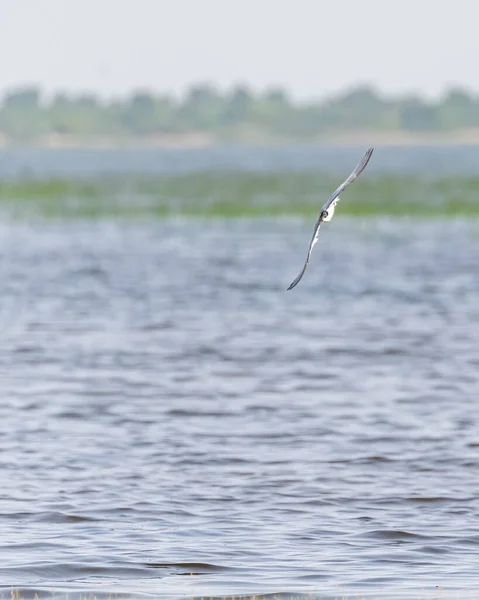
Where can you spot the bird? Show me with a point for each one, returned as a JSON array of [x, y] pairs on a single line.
[[327, 211]]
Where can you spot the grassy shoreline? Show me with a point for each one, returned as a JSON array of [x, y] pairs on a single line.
[[240, 195]]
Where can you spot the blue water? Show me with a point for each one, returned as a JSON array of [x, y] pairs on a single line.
[[424, 160], [175, 424]]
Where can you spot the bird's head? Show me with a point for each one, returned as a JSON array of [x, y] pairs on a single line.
[[324, 215]]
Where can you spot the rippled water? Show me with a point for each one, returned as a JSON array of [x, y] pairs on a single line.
[[175, 423]]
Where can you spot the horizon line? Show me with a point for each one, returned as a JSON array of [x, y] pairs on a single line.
[[255, 91]]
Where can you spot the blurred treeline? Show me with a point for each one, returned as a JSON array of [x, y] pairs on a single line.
[[238, 114]]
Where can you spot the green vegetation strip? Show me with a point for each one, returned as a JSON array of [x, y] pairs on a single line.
[[239, 194]]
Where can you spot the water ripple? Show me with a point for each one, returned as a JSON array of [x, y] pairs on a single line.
[[171, 429]]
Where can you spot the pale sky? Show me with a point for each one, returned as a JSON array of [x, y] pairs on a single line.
[[313, 48]]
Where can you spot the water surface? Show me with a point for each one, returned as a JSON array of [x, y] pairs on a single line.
[[44, 163], [174, 423]]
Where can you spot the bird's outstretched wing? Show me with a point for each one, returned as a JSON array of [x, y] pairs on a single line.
[[354, 175], [335, 196], [314, 239]]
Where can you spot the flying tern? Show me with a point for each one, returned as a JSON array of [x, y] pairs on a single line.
[[327, 211]]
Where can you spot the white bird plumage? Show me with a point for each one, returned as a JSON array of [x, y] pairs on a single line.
[[327, 211]]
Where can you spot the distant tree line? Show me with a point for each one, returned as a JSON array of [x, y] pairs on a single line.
[[25, 115]]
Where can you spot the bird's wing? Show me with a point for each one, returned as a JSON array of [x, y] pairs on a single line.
[[354, 175], [357, 171], [314, 239]]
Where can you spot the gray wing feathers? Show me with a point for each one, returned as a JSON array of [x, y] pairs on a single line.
[[311, 245], [354, 175]]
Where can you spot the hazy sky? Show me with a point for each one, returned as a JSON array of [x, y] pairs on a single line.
[[311, 47]]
